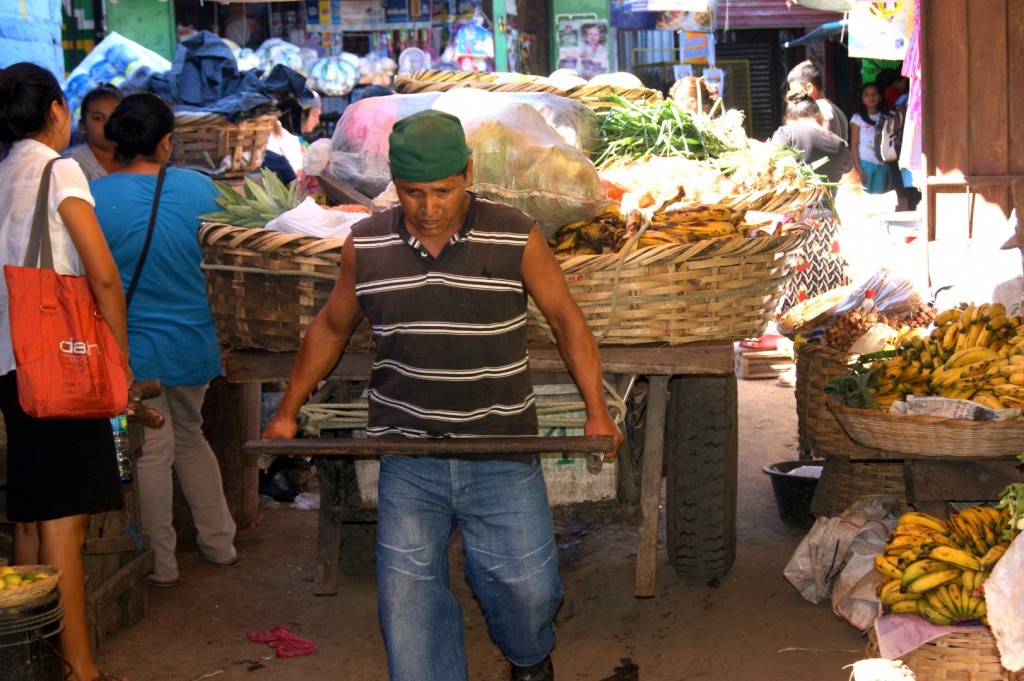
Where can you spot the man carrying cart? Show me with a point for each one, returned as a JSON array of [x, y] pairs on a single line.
[[443, 278]]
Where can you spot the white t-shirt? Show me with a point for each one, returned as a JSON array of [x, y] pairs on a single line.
[[87, 159], [866, 148], [288, 145], [20, 173]]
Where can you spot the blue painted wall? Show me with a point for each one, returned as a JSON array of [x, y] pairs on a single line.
[[30, 31]]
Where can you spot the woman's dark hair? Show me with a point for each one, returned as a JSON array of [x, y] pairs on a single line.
[[26, 93], [101, 91], [138, 124], [863, 110], [800, 105]]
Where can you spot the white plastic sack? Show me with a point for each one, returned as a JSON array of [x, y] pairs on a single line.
[[1004, 597], [309, 218], [831, 543]]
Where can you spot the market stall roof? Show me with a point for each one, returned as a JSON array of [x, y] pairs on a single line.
[[736, 14], [823, 32]]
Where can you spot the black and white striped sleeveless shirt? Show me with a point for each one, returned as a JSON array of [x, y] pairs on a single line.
[[451, 357]]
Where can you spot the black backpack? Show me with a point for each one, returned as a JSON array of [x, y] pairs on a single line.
[[889, 135]]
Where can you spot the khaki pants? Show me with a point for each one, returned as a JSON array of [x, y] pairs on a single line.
[[180, 445]]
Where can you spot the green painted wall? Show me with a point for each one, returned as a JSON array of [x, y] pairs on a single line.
[[600, 8], [147, 22]]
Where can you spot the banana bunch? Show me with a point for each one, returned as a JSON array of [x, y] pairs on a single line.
[[975, 353], [593, 236], [937, 568], [695, 222], [610, 232], [257, 204]]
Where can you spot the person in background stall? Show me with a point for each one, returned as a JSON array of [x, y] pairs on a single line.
[[873, 174], [691, 94], [96, 154], [171, 332], [806, 77], [443, 277], [820, 267], [285, 149], [59, 471]]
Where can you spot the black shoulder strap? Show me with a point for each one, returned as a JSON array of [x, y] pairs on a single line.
[[149, 238]]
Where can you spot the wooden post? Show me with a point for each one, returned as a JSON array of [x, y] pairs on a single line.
[[650, 486]]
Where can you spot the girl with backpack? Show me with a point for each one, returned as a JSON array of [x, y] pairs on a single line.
[[874, 176]]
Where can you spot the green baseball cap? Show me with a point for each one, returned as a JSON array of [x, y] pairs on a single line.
[[428, 146]]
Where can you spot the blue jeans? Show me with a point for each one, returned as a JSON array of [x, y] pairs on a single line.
[[511, 562]]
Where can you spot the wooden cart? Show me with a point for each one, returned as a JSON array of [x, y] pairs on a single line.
[[688, 431]]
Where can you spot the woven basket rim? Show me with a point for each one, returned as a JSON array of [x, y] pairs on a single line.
[[930, 436], [22, 595], [672, 254]]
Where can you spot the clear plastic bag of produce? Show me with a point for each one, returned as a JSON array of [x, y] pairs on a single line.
[[519, 159], [893, 293], [359, 146], [574, 122]]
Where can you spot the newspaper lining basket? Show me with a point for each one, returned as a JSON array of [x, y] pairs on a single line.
[[716, 289], [930, 436], [265, 286], [207, 142], [956, 656], [820, 433]]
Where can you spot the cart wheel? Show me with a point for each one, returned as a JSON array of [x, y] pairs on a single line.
[[701, 442]]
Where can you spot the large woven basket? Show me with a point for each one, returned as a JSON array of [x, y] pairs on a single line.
[[33, 591], [779, 199], [957, 656], [818, 431], [207, 142], [717, 289], [594, 96], [930, 436], [844, 481], [265, 287]]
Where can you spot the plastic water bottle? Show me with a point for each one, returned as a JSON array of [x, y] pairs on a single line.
[[119, 425]]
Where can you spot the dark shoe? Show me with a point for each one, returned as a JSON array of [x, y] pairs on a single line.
[[542, 671]]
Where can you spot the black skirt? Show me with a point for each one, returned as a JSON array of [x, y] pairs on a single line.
[[56, 467]]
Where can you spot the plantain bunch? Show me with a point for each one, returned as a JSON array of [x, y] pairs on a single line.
[[611, 231], [972, 353], [937, 568]]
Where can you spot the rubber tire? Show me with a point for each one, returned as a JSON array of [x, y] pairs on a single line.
[[701, 443]]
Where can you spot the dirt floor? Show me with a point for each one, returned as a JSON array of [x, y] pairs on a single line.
[[751, 624]]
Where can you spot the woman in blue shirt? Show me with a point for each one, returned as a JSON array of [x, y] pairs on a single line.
[[170, 330]]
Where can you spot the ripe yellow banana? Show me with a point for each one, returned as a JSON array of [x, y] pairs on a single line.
[[931, 614], [903, 543], [966, 317], [976, 608], [915, 530], [996, 310], [955, 557], [887, 568], [990, 401], [947, 316], [946, 598], [890, 593], [969, 355], [918, 518], [934, 601], [932, 580], [950, 339], [908, 607], [919, 568]]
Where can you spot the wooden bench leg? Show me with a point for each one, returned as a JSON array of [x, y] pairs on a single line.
[[328, 535], [650, 486]]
